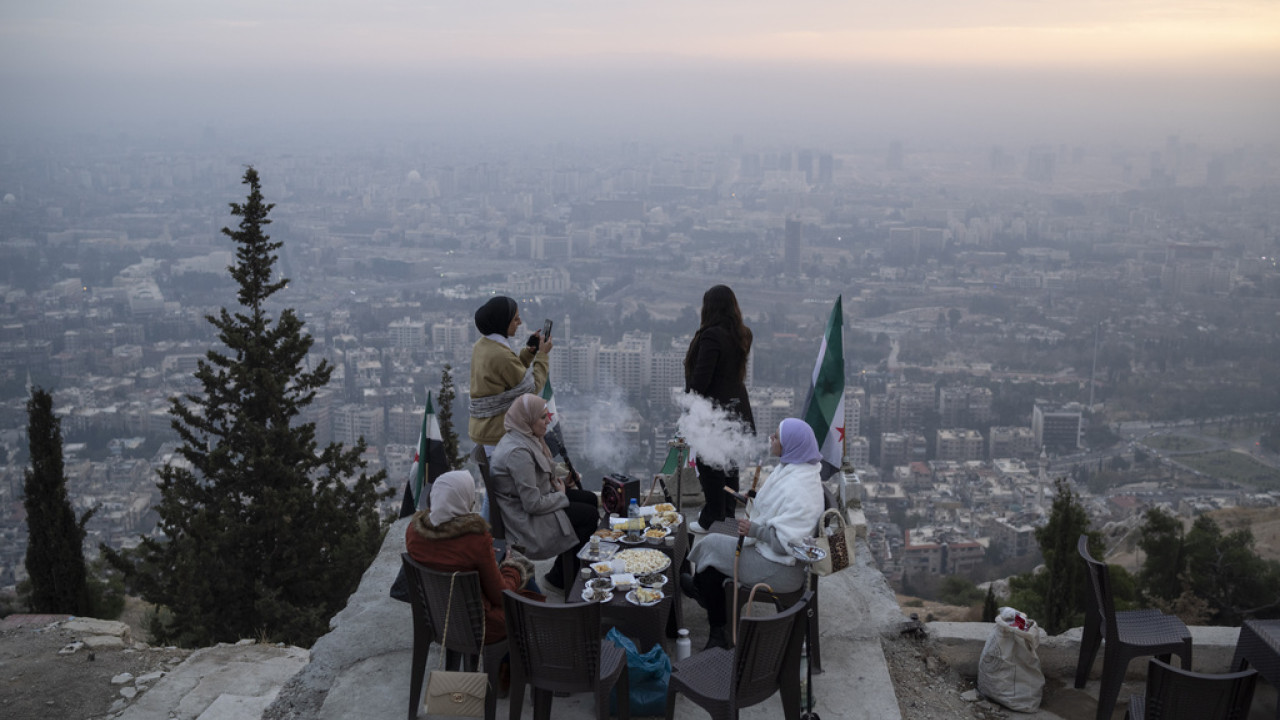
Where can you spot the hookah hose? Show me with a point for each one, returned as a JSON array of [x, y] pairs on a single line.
[[755, 480]]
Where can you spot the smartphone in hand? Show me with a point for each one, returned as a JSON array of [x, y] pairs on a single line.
[[546, 329]]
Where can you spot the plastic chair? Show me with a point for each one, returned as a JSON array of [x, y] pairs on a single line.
[[781, 601], [1174, 694], [557, 648], [429, 590], [765, 661], [1129, 634], [497, 527]]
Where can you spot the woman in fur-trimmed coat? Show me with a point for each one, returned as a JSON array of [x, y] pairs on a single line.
[[449, 537]]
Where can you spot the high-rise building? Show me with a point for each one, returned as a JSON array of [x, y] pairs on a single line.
[[1011, 442], [627, 364], [959, 445], [794, 246], [1057, 428], [408, 334]]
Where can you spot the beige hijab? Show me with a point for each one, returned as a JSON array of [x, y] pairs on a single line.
[[520, 418]]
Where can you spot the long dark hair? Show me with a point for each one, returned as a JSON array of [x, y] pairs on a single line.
[[720, 309]]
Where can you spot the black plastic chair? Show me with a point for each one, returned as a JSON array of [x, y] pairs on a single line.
[[1128, 634], [429, 590], [1174, 694], [765, 661], [497, 527], [557, 649]]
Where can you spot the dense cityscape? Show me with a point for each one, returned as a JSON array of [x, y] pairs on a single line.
[[1012, 314]]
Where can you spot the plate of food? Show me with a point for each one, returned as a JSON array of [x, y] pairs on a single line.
[[603, 582], [664, 507], [630, 539], [607, 534], [603, 569], [644, 561], [808, 553], [652, 580], [645, 597], [666, 519], [656, 533], [602, 596]]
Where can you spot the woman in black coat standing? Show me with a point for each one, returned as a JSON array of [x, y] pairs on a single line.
[[715, 367]]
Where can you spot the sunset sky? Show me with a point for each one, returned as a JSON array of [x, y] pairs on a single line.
[[1234, 43]]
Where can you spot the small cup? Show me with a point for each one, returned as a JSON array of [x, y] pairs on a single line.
[[669, 541], [585, 573]]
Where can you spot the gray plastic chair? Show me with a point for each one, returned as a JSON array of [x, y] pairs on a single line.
[[1174, 694], [497, 527], [557, 648], [765, 661], [1129, 634], [429, 591]]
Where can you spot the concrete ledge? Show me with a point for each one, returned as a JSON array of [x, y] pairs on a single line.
[[960, 645]]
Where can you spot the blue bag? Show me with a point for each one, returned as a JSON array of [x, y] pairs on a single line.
[[647, 674]]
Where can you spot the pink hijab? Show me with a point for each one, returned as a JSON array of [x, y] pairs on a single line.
[[520, 418]]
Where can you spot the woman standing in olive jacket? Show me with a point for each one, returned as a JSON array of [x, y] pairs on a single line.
[[715, 367]]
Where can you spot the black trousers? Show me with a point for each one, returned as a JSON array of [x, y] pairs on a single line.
[[584, 515], [719, 504]]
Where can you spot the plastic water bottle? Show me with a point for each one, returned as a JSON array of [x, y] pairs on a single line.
[[684, 647], [633, 510]]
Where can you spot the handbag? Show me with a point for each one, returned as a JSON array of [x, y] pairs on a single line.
[[451, 692], [837, 542]]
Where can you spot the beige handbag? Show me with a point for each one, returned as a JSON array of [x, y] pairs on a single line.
[[837, 541], [450, 692]]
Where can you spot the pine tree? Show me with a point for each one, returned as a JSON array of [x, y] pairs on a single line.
[[266, 535], [1056, 596], [55, 553], [444, 414]]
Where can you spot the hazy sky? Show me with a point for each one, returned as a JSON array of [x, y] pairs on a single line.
[[561, 60]]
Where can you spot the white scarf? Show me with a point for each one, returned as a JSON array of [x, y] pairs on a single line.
[[791, 503]]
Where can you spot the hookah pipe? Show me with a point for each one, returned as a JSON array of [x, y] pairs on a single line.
[[742, 536]]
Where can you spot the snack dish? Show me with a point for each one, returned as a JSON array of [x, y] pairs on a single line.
[[645, 597], [605, 534], [590, 595], [656, 532], [604, 583], [644, 561], [631, 540], [623, 581], [808, 553], [652, 580], [602, 568], [666, 519], [664, 507]]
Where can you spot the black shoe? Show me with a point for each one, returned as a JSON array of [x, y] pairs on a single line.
[[690, 588], [553, 582], [716, 638]]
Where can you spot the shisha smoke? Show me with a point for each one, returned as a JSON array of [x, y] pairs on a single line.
[[606, 442], [721, 440]]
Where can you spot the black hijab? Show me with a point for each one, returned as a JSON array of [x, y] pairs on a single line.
[[495, 316]]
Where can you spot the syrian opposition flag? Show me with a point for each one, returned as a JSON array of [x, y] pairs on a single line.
[[555, 437], [824, 408], [429, 461], [669, 465]]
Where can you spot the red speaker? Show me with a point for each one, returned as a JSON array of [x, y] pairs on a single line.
[[616, 492]]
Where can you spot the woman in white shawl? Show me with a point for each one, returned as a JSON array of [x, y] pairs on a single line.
[[786, 510]]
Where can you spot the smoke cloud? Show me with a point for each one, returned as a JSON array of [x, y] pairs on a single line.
[[608, 421], [719, 439]]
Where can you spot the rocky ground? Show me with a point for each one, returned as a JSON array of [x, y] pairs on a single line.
[[929, 689], [56, 667]]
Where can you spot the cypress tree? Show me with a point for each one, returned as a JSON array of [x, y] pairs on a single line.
[[989, 609], [444, 413], [266, 534], [55, 553]]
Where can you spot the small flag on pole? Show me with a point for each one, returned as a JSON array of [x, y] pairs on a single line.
[[824, 408], [554, 437], [428, 462]]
